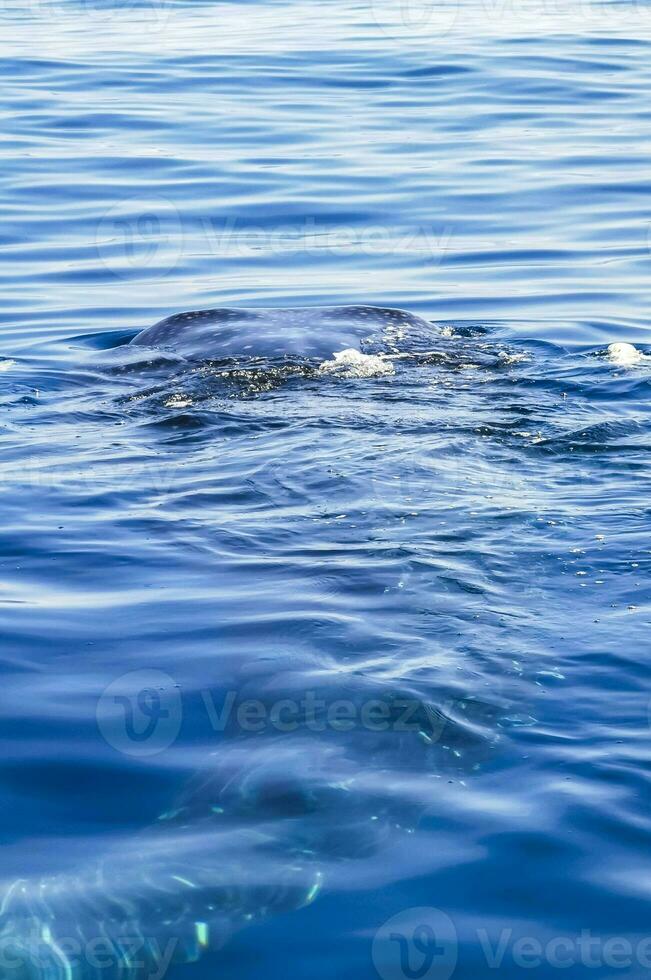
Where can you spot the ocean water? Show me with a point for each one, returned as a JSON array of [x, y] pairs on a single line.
[[337, 665]]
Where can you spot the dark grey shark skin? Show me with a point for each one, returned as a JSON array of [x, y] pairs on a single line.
[[300, 332]]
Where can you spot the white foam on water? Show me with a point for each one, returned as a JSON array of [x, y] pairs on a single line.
[[351, 363], [178, 401], [625, 355], [517, 357], [7, 365]]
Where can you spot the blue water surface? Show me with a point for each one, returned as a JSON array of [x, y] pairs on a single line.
[[307, 673]]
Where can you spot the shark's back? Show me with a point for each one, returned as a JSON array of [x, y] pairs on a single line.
[[300, 332]]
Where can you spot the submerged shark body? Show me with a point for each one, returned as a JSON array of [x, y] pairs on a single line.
[[299, 333], [235, 848], [204, 870], [163, 898], [258, 831]]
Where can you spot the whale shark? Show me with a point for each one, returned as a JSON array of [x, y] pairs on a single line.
[[270, 820], [303, 333], [259, 830]]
